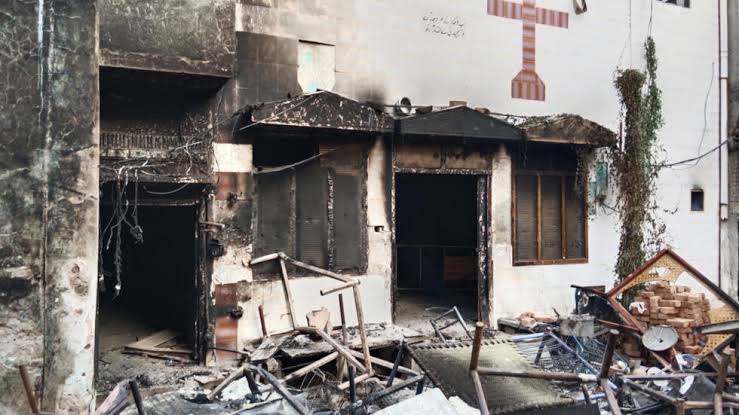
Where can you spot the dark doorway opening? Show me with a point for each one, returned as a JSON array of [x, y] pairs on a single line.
[[436, 241], [158, 279]]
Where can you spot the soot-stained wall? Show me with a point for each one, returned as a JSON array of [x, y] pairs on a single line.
[[191, 36], [48, 207]]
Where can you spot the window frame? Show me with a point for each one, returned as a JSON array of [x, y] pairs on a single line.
[[563, 231], [698, 191], [329, 231]]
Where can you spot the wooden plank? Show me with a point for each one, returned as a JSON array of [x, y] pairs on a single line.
[[267, 348], [158, 355], [153, 340], [350, 284], [319, 319], [115, 399], [360, 378], [384, 363], [563, 218], [307, 369], [339, 348], [610, 397], [288, 291], [151, 343], [362, 328], [317, 270]]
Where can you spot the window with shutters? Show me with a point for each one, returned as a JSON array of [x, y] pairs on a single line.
[[549, 218], [312, 210]]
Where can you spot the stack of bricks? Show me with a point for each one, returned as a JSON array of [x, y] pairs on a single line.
[[669, 305]]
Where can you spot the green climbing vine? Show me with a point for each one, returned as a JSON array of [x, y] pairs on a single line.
[[635, 166]]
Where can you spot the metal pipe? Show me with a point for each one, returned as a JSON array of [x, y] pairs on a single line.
[[479, 327], [262, 322], [352, 386], [396, 363], [28, 386], [350, 284], [379, 395], [420, 385], [300, 408], [608, 356], [137, 397], [539, 374], [651, 392]]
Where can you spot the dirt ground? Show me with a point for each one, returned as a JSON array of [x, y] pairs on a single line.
[[118, 329], [414, 310]]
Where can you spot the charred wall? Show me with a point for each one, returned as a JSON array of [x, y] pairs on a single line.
[[191, 36], [158, 118], [48, 208]]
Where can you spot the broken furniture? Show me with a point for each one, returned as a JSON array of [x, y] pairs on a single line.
[[347, 283], [502, 371], [448, 367], [248, 370], [717, 402], [456, 319], [564, 354]]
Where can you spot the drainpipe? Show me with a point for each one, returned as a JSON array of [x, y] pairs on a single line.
[[723, 67]]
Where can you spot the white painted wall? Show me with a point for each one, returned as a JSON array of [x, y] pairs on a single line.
[[383, 52]]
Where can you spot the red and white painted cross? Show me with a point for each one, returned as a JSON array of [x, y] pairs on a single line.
[[527, 84]]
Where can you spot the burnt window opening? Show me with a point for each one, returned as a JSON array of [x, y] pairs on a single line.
[[549, 215], [313, 211], [153, 103], [696, 200], [436, 240], [158, 283]]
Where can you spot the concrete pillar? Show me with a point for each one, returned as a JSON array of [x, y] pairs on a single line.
[[501, 255], [49, 203]]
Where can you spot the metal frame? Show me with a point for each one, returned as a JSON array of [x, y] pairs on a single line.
[[458, 320], [600, 379]]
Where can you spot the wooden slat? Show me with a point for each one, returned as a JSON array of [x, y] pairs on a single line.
[[538, 217], [563, 218]]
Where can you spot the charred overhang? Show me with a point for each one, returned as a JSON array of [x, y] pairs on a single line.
[[458, 124], [567, 129], [321, 110]]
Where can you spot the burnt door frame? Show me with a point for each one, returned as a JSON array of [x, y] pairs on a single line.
[[202, 330], [483, 234]]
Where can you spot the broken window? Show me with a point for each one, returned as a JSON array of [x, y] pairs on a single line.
[[313, 210], [550, 223]]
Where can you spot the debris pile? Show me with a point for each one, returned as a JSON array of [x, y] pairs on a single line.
[[667, 304], [647, 354]]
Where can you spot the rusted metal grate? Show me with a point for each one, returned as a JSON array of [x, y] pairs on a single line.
[[448, 367]]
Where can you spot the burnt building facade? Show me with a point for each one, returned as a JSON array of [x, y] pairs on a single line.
[[157, 147]]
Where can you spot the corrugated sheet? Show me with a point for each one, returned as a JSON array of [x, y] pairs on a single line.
[[347, 221], [311, 209], [273, 210]]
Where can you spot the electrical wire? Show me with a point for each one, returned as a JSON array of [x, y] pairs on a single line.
[[168, 192], [705, 109], [694, 159]]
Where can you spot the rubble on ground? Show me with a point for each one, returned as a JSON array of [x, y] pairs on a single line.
[[665, 352]]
